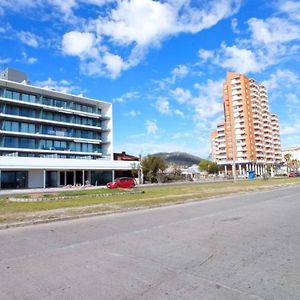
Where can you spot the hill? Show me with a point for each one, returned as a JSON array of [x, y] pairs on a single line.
[[179, 158]]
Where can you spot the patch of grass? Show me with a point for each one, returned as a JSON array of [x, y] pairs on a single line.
[[23, 196], [119, 199]]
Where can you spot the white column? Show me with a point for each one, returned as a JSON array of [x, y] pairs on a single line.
[[261, 170], [247, 167], [113, 175], [44, 174], [83, 183], [240, 169], [65, 177], [74, 178], [272, 171]]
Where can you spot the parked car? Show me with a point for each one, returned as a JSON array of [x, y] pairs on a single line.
[[122, 182], [293, 174]]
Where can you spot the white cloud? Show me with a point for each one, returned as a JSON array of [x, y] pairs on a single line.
[[273, 30], [78, 43], [289, 129], [137, 25], [292, 8], [65, 6], [138, 21], [4, 60], [234, 25], [114, 64], [178, 113], [163, 106], [151, 127], [181, 95], [293, 99], [18, 5], [205, 54], [276, 79], [27, 59], [240, 60], [179, 71], [61, 86], [126, 97], [28, 38], [271, 40], [132, 113], [208, 103], [180, 135]]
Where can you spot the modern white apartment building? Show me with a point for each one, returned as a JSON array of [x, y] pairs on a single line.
[[250, 136], [49, 138]]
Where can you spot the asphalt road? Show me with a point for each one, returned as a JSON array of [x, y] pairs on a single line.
[[241, 247]]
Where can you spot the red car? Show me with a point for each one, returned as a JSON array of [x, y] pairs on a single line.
[[293, 174], [122, 182]]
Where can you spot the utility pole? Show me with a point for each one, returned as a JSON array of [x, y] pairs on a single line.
[[233, 147]]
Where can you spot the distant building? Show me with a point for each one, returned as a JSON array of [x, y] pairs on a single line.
[[294, 152], [124, 156], [49, 138], [250, 137]]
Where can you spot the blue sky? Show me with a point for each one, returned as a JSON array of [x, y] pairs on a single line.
[[161, 63]]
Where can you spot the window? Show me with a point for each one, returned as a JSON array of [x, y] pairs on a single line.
[[27, 143], [27, 127], [14, 179], [10, 142], [15, 95], [11, 126], [27, 112]]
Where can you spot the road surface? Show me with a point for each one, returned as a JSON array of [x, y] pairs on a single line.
[[245, 246]]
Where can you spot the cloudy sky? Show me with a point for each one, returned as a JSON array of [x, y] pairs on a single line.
[[160, 62]]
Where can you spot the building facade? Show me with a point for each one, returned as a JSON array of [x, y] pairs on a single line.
[[49, 138], [293, 152], [249, 138]]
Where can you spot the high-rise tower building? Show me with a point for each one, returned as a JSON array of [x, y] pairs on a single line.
[[249, 137]]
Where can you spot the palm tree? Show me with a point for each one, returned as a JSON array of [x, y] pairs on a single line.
[[287, 158], [295, 164]]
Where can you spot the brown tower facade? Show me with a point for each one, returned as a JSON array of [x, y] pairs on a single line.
[[250, 134]]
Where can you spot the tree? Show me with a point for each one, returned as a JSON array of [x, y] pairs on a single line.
[[208, 166], [152, 166], [135, 169], [294, 164], [287, 158]]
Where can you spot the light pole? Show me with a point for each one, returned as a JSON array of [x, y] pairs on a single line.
[[233, 148]]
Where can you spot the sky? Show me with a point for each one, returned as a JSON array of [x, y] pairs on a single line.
[[161, 63]]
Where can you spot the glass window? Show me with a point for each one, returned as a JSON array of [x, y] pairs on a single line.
[[47, 101], [26, 143], [10, 142], [25, 97], [16, 96], [8, 94], [14, 179], [32, 98]]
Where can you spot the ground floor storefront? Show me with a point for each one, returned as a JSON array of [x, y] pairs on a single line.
[[242, 169], [45, 173]]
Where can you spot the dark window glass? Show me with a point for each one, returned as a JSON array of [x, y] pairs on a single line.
[[10, 142], [14, 179]]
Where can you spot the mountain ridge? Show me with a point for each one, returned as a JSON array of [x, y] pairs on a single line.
[[179, 158]]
